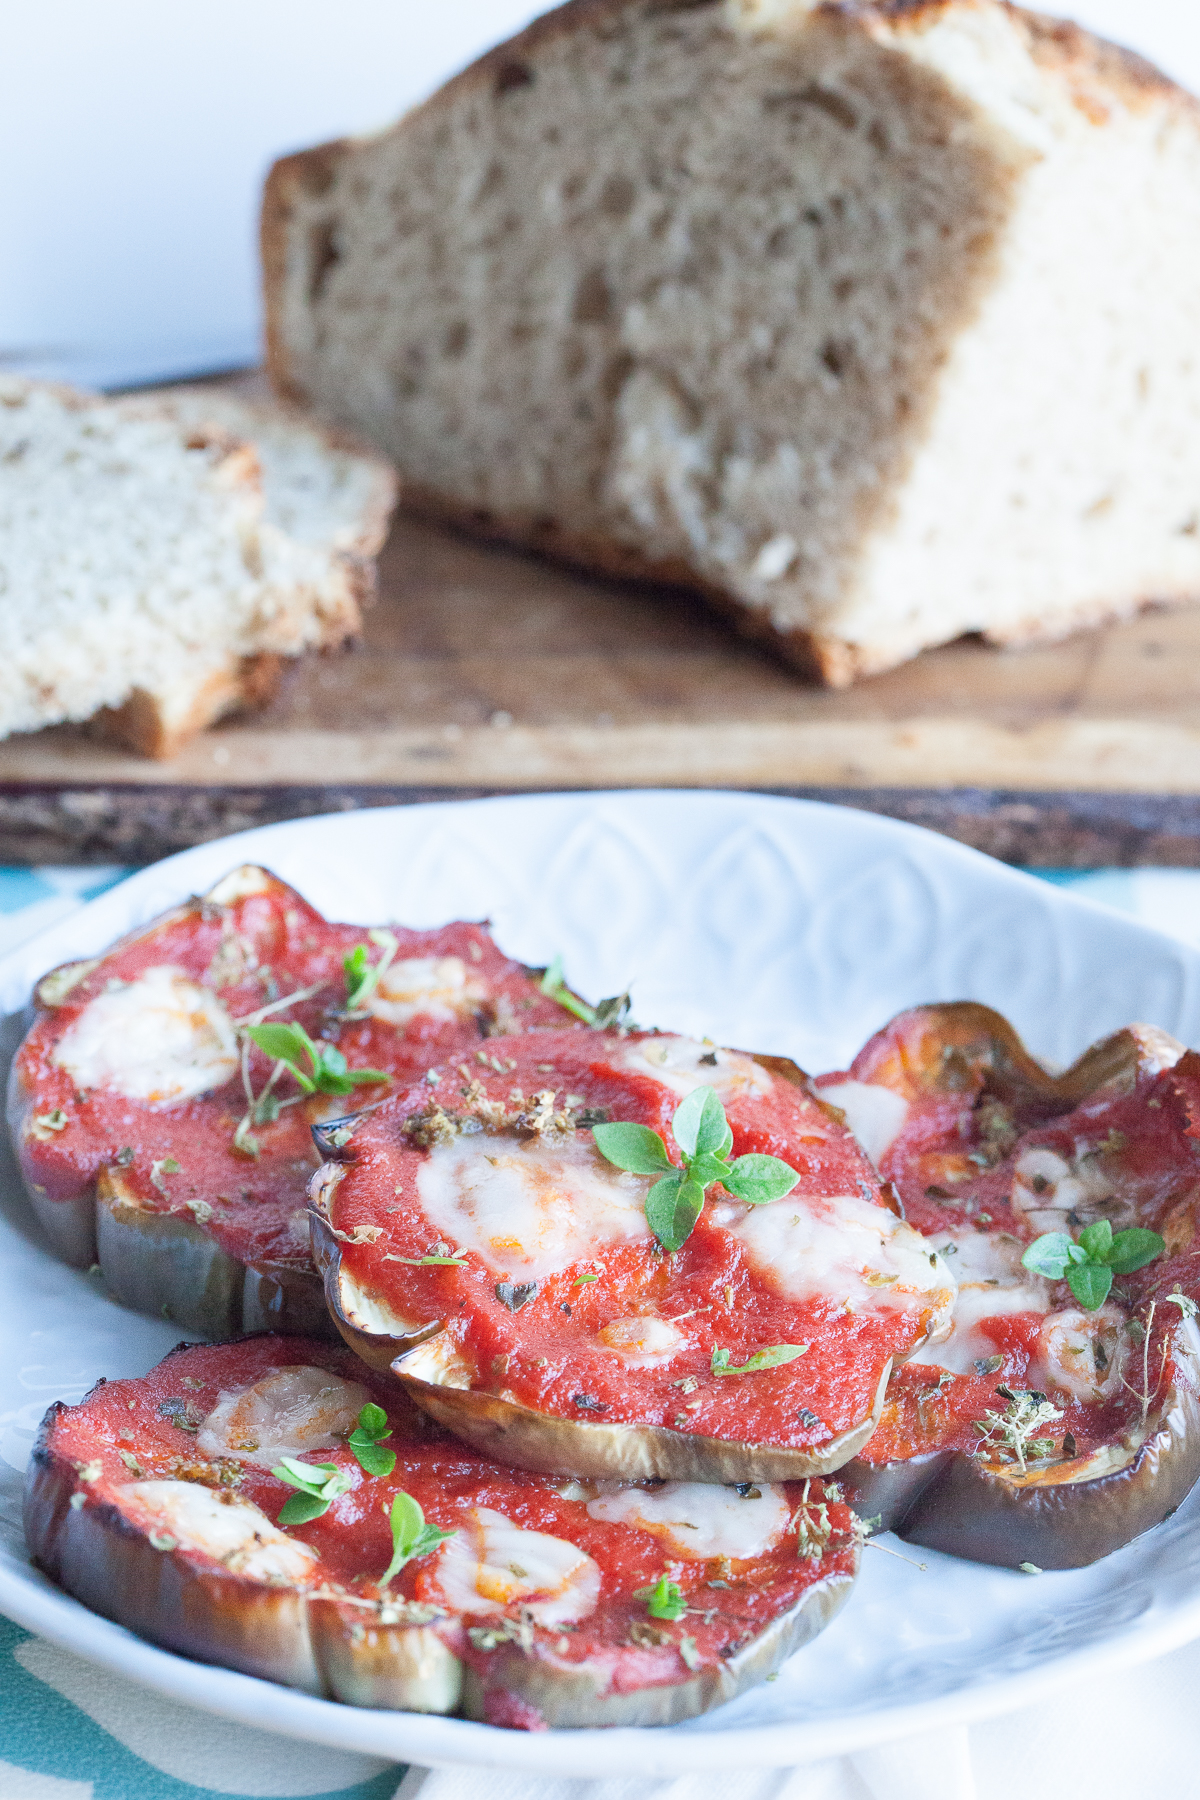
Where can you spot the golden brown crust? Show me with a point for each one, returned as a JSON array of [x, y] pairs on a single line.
[[142, 726]]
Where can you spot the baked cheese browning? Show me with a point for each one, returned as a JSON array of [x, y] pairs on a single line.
[[160, 1038], [698, 1520], [491, 1565], [479, 1205], [140, 1073], [154, 1472], [441, 989], [289, 1412], [529, 1208]]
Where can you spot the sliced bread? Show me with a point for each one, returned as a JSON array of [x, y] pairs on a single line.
[[159, 555], [876, 321]]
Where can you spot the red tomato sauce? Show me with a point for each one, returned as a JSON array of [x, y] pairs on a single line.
[[130, 1430], [548, 1354], [256, 950]]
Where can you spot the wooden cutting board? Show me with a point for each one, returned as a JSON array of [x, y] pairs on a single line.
[[485, 671]]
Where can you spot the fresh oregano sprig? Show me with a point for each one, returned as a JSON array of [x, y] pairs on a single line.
[[411, 1536], [319, 1485], [702, 1134], [366, 1441], [664, 1600], [1090, 1263], [363, 977], [773, 1357], [327, 1072]]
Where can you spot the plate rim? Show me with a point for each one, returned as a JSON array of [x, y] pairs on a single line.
[[36, 1606]]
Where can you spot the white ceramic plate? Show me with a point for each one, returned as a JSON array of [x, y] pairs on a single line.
[[773, 924]]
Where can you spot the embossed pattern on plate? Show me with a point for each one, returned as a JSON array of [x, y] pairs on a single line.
[[775, 924]]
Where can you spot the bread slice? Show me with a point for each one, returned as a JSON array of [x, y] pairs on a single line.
[[157, 564], [876, 321]]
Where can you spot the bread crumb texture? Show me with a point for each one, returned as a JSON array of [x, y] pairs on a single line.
[[876, 321], [157, 554]]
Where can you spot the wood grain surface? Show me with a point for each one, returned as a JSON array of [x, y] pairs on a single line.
[[482, 670]]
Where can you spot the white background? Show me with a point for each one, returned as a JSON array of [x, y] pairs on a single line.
[[134, 136]]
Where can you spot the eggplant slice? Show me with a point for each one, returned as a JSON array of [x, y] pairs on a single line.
[[474, 1242], [532, 1603], [130, 1099], [987, 1154]]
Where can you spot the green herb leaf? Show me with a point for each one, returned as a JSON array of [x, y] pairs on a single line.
[[1095, 1240], [327, 1072], [664, 1600], [300, 1508], [555, 988], [1049, 1255], [1133, 1249], [773, 1357], [707, 1168], [699, 1123], [365, 1439], [632, 1147], [411, 1536], [1089, 1264], [362, 977], [287, 1044], [760, 1179], [319, 1485], [1089, 1282], [672, 1207]]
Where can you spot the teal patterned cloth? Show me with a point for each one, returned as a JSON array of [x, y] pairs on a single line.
[[70, 1731]]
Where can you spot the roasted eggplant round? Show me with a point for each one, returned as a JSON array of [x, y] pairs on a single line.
[[157, 1138], [475, 1240], [270, 1506], [1041, 1431]]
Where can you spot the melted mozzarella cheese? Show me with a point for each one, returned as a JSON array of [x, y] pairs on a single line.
[[842, 1247], [991, 1284], [286, 1413], [874, 1114], [427, 987], [491, 1564], [235, 1532], [530, 1207], [975, 1304], [643, 1342], [160, 1038], [683, 1064], [698, 1520], [1081, 1351]]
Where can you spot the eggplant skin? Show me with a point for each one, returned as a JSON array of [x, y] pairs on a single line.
[[573, 1696], [518, 1435], [953, 1502], [162, 1264], [197, 1609]]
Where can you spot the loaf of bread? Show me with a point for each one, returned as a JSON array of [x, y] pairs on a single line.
[[875, 320], [158, 556]]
